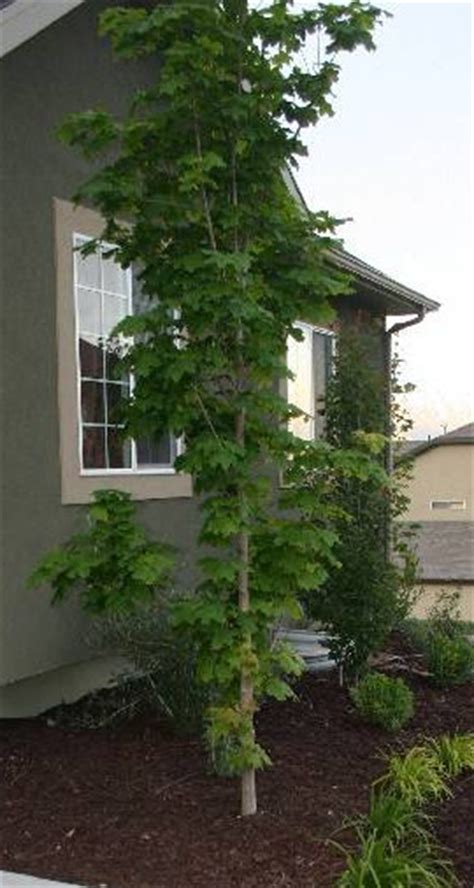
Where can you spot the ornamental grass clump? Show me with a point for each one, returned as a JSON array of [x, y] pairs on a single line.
[[417, 776], [392, 818], [375, 867], [455, 754], [384, 701], [397, 848]]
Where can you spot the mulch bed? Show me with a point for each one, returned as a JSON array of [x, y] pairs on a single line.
[[131, 807]]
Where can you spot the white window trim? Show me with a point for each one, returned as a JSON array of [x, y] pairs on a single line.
[[76, 486]]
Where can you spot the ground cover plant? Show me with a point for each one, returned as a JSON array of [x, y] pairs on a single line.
[[229, 263], [129, 805]]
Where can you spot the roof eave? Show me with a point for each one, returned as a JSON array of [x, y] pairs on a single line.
[[403, 299], [432, 443]]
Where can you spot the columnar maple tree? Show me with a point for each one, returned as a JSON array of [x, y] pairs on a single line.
[[192, 192]]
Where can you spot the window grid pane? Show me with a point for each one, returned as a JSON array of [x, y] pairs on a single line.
[[103, 298]]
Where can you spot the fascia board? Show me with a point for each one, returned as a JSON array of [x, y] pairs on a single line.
[[23, 19]]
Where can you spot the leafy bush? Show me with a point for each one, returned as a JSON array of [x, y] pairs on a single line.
[[112, 565], [384, 701], [440, 638], [445, 614], [455, 754], [165, 660], [449, 659]]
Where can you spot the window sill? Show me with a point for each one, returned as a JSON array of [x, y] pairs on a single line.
[[79, 489], [129, 473]]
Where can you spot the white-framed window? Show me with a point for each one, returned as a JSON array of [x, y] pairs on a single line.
[[311, 362], [104, 294], [449, 504]]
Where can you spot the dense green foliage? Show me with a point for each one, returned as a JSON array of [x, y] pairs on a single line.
[[113, 565], [229, 263], [385, 701], [396, 843], [360, 603]]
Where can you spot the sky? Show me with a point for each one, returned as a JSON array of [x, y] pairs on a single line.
[[396, 158]]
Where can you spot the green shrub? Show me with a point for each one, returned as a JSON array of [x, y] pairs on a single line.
[[450, 659], [455, 754], [444, 616], [440, 638], [384, 701], [165, 664]]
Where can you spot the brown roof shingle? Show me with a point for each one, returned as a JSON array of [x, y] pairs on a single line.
[[445, 550]]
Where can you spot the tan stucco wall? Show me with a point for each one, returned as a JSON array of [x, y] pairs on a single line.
[[442, 473], [430, 593]]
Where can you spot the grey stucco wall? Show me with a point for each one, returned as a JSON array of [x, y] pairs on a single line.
[[64, 68]]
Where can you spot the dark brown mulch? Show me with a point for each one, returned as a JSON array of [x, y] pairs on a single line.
[[130, 807]]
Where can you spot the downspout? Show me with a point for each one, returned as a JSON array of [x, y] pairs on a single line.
[[402, 325]]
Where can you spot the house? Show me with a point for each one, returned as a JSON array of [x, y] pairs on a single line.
[[59, 443], [441, 494]]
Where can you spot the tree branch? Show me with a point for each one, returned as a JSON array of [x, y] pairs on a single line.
[[205, 199]]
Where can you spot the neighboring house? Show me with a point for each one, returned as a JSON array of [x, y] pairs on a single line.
[[59, 440], [441, 495]]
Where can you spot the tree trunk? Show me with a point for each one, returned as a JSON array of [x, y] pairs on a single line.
[[249, 792]]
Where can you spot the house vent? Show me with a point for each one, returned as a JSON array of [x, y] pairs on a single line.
[[453, 504]]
